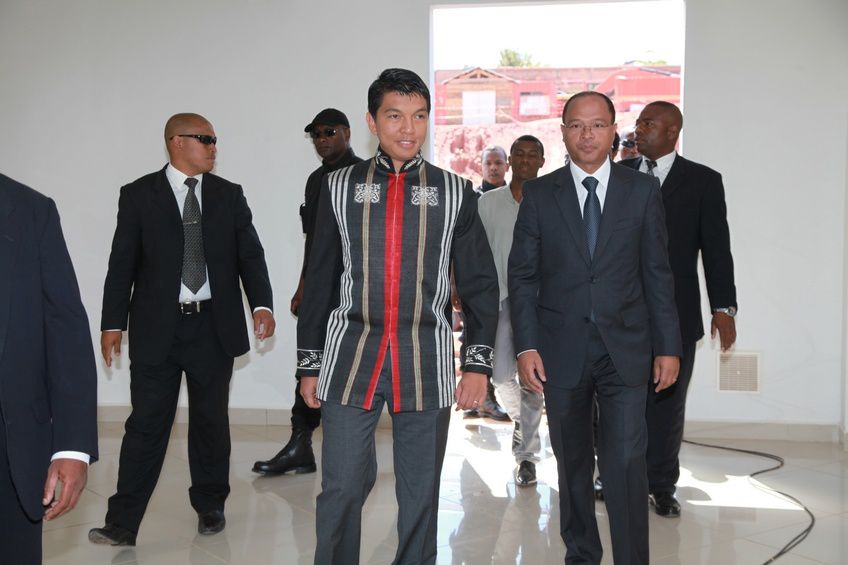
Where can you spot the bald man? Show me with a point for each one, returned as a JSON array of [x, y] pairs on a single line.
[[183, 240]]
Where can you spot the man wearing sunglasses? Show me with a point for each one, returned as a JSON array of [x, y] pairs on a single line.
[[183, 240], [628, 149], [330, 134]]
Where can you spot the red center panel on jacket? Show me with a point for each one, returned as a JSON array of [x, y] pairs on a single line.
[[391, 289]]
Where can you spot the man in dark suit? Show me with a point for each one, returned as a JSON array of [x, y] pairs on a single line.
[[696, 219], [184, 239], [48, 382], [592, 301]]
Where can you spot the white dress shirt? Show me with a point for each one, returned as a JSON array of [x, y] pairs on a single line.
[[602, 175], [664, 164]]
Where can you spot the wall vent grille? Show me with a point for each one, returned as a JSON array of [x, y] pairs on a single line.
[[739, 372]]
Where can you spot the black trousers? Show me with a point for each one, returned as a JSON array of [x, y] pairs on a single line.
[[154, 392], [666, 414], [20, 537], [622, 441], [303, 417]]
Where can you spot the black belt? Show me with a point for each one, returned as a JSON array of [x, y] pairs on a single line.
[[188, 308]]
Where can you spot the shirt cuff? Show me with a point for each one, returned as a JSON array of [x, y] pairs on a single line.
[[113, 330], [78, 455], [523, 352], [258, 308]]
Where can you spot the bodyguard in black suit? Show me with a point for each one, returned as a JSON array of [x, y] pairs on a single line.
[[48, 382], [592, 301], [696, 218], [184, 239]]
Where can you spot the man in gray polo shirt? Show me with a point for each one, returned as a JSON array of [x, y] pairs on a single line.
[[498, 210]]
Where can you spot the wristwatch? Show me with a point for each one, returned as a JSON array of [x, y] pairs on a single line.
[[730, 311]]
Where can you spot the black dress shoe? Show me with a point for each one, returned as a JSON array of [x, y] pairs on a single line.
[[111, 534], [598, 487], [491, 408], [211, 522], [665, 504], [525, 474], [296, 456]]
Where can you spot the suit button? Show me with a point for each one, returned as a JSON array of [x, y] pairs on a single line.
[[593, 279], [586, 319]]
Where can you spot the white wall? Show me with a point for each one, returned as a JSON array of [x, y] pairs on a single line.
[[87, 85]]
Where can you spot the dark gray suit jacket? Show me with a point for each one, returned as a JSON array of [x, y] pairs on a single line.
[[554, 286], [48, 381]]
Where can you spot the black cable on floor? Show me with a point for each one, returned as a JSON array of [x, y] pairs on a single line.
[[780, 463]]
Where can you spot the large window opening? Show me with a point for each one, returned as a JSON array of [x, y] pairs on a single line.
[[500, 72]]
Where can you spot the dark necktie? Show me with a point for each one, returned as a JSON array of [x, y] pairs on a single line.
[[591, 213], [651, 166], [194, 261]]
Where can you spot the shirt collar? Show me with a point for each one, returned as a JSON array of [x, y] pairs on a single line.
[[385, 162], [665, 162], [602, 174], [177, 178]]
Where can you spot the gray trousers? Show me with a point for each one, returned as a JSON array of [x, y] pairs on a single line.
[[522, 404], [349, 470]]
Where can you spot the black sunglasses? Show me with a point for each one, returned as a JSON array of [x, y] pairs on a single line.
[[628, 143], [328, 132], [204, 139]]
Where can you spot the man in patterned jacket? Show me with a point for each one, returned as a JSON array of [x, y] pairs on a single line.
[[374, 324]]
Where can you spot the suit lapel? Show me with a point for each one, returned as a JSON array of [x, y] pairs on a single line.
[[163, 196], [209, 209], [674, 178], [8, 244], [566, 197], [614, 204]]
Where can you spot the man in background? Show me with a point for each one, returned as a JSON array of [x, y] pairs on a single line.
[[498, 211], [495, 165], [628, 148], [696, 219], [330, 134]]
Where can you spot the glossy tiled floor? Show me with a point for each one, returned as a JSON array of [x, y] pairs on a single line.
[[483, 517]]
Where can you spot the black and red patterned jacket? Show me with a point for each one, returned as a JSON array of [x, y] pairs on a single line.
[[378, 285]]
